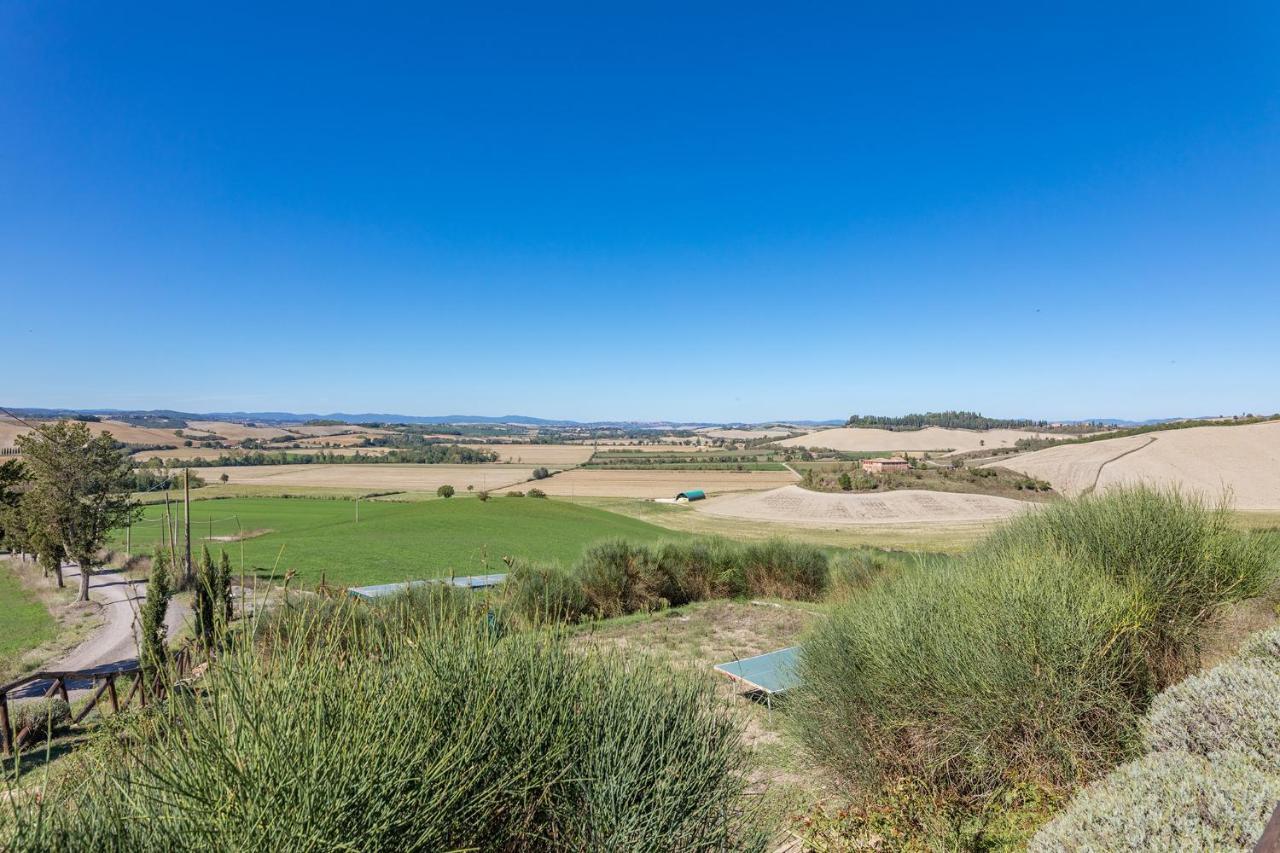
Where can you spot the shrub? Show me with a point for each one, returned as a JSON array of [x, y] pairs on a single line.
[[536, 493], [1033, 658], [372, 729], [1262, 648], [44, 716], [617, 577], [445, 491], [784, 569], [1181, 557], [483, 495], [1233, 707], [541, 473], [540, 594], [854, 572], [846, 482], [515, 494], [1167, 801], [688, 571], [972, 674]]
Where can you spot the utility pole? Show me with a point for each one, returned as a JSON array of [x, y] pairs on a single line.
[[128, 542], [357, 510], [186, 516]]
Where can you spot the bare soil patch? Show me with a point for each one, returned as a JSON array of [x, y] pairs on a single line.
[[794, 505]]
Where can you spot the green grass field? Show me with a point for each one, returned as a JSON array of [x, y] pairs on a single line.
[[394, 541], [24, 621]]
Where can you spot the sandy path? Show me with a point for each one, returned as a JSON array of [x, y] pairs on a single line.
[[794, 505], [115, 644]]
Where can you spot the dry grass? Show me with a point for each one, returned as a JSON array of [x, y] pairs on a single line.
[[659, 484], [1242, 462]]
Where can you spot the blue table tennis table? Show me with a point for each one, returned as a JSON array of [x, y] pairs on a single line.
[[383, 590], [771, 673]]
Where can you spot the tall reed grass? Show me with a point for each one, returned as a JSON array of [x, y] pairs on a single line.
[[617, 577], [417, 726]]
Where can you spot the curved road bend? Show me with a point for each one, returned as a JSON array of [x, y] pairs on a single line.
[[115, 644]]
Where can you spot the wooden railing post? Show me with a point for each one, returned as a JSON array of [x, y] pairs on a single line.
[[4, 723], [61, 682], [111, 688], [1270, 840]]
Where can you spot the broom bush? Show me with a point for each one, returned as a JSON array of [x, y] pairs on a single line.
[[1031, 659], [345, 727]]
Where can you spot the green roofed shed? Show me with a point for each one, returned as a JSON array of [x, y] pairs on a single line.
[[691, 495]]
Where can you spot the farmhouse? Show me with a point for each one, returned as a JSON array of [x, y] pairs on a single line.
[[884, 465]]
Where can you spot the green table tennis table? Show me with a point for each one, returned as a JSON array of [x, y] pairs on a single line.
[[771, 673]]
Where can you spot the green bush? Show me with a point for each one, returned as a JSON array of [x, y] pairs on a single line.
[[1233, 707], [1182, 557], [973, 674], [374, 729], [618, 577], [1033, 658], [543, 594], [688, 571], [781, 568], [44, 716], [536, 493], [445, 491], [1167, 801]]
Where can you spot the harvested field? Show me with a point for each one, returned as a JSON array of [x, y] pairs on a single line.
[[747, 434], [929, 438], [9, 430], [237, 432], [538, 454], [336, 429], [794, 505], [1242, 462], [658, 484], [122, 432], [409, 478], [216, 452], [668, 447]]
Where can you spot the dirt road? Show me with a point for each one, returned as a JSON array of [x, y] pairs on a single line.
[[115, 644]]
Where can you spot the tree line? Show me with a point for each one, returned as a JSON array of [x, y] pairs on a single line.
[[434, 454], [947, 420]]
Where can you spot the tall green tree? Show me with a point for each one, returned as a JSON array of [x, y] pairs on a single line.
[[207, 601], [154, 652], [79, 487]]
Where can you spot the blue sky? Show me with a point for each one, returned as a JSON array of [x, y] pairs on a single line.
[[687, 211]]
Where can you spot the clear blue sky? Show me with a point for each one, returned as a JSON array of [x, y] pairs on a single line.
[[689, 211]]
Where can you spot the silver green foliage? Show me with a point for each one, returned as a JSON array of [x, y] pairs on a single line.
[[1167, 801]]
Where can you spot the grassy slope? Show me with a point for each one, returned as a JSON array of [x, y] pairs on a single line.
[[24, 621], [397, 541]]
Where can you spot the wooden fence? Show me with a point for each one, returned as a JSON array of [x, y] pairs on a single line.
[[104, 685]]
